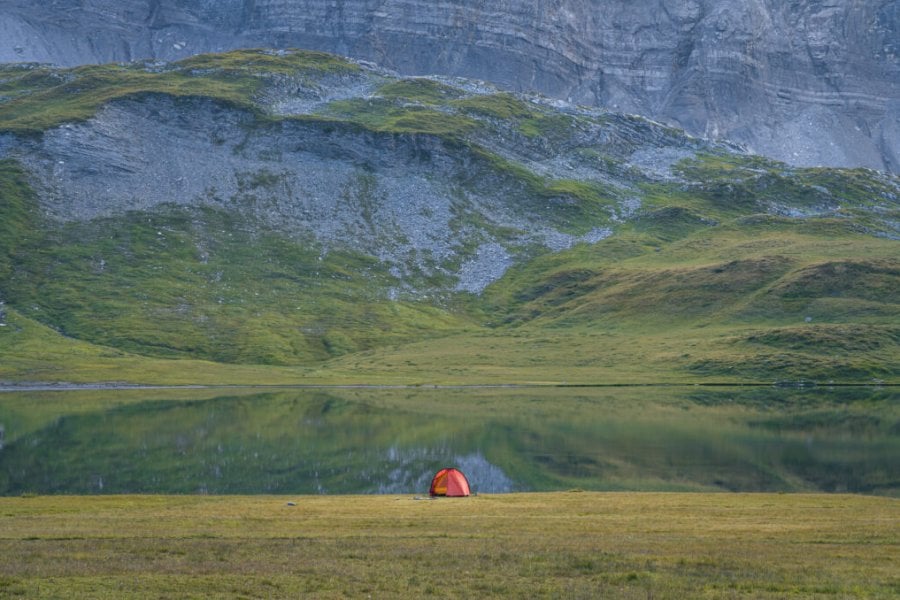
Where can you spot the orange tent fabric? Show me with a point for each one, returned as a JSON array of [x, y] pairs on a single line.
[[449, 482]]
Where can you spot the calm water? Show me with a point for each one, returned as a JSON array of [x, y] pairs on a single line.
[[391, 441]]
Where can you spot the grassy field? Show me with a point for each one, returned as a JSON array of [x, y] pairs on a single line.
[[572, 544]]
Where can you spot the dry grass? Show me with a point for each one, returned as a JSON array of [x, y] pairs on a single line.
[[519, 545]]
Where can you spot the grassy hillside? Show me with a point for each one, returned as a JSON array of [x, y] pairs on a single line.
[[202, 284], [729, 268]]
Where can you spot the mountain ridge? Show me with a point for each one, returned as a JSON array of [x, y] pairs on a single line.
[[807, 83]]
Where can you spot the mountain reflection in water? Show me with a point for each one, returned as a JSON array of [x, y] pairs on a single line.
[[392, 441]]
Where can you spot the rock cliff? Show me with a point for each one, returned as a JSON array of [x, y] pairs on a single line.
[[807, 82]]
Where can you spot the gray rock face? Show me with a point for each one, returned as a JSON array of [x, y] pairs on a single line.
[[808, 82], [402, 199], [136, 155]]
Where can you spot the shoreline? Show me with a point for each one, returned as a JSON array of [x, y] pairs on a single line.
[[9, 387]]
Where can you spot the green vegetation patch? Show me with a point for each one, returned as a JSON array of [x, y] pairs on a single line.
[[386, 116], [58, 96], [574, 206], [21, 79], [671, 223], [268, 62], [729, 184], [499, 106], [871, 280], [834, 339], [196, 283], [547, 126], [418, 89], [91, 87], [18, 213], [528, 119]]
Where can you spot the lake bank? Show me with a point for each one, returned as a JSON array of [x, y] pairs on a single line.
[[50, 386], [573, 544]]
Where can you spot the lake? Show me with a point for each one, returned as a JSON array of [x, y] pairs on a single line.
[[360, 440]]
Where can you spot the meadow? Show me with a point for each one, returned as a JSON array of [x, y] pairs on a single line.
[[545, 545]]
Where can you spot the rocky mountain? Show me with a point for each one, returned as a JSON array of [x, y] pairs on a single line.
[[805, 82], [435, 179], [296, 208]]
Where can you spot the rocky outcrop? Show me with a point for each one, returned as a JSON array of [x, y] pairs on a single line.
[[406, 199], [806, 82]]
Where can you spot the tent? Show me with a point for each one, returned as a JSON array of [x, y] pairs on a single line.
[[449, 482]]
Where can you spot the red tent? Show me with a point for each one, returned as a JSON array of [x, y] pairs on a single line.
[[449, 482]]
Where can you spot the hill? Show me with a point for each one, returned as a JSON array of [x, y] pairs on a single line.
[[298, 209]]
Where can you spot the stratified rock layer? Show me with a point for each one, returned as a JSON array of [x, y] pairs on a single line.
[[806, 82]]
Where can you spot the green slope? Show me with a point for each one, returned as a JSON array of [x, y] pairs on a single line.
[[200, 284], [737, 268]]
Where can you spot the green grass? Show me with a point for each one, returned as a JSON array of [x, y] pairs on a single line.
[[261, 62], [387, 117], [191, 284], [719, 303], [574, 206], [721, 273], [425, 91], [618, 311], [34, 352], [546, 126], [535, 545], [18, 213], [714, 278], [728, 185], [499, 106], [43, 97]]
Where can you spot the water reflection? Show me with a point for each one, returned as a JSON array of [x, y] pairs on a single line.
[[391, 441]]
